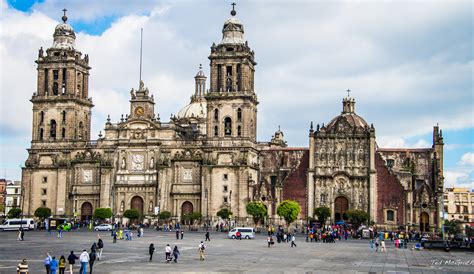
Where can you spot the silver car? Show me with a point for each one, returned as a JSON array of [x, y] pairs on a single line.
[[103, 227]]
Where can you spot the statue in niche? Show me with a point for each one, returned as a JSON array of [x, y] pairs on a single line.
[[122, 205], [150, 207], [124, 164], [40, 52], [152, 162], [229, 82]]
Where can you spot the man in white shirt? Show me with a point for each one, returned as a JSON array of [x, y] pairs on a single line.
[[168, 253], [84, 259]]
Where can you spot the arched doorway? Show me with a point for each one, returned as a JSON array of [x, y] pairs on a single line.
[[137, 203], [341, 205], [86, 211], [425, 222], [187, 208]]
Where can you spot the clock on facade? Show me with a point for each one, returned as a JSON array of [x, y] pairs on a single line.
[[139, 111]]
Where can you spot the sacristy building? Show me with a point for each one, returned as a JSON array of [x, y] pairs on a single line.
[[207, 157]]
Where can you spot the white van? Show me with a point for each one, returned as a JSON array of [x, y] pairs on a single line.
[[246, 232], [15, 224]]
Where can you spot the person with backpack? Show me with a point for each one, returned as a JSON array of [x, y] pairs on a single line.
[[202, 249], [151, 250], [176, 253], [62, 264], [72, 260], [100, 247], [47, 263], [53, 266]]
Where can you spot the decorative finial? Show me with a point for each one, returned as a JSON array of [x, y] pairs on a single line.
[[311, 126], [64, 18], [278, 127], [348, 91], [200, 66], [233, 12]]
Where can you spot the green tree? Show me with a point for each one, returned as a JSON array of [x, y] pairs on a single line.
[[164, 215], [357, 217], [224, 213], [2, 208], [43, 212], [102, 213], [132, 214], [452, 227], [257, 210], [323, 214], [288, 210], [14, 213]]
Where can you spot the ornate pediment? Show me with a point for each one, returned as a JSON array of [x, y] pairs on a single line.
[[88, 156], [188, 154]]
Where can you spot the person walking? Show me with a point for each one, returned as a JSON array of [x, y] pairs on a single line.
[[182, 234], [72, 260], [207, 236], [270, 241], [168, 253], [202, 249], [115, 236], [84, 259], [151, 250], [94, 247], [177, 234], [92, 257], [176, 253], [22, 234], [382, 246], [18, 237], [100, 247], [293, 238], [53, 266], [62, 264], [47, 263], [22, 267]]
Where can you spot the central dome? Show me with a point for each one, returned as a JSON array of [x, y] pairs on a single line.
[[196, 109]]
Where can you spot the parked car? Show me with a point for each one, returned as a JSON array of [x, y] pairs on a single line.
[[103, 227], [15, 224], [245, 232]]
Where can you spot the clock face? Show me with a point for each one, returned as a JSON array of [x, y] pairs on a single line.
[[139, 111]]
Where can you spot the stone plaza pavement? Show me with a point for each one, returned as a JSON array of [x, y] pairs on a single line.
[[226, 255]]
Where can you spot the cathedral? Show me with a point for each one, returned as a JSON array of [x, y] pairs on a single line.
[[207, 157]]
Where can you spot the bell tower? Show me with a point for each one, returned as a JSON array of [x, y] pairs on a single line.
[[231, 101], [61, 105]]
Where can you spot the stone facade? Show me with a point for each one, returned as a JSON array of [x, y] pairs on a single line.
[[207, 157], [459, 205]]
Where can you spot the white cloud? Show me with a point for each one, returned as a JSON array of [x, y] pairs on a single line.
[[407, 72], [467, 159]]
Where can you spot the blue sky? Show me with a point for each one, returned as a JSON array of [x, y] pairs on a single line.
[[409, 65]]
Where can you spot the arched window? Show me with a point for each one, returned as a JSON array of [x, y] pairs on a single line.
[[64, 116], [41, 117], [216, 115], [390, 216], [216, 131], [63, 133], [239, 114], [55, 88], [52, 131], [41, 134], [227, 126]]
